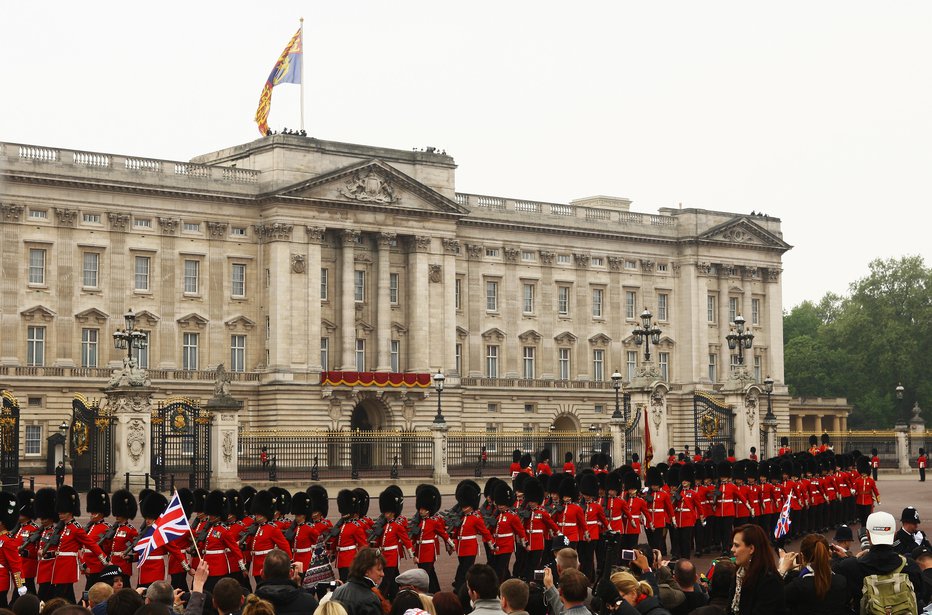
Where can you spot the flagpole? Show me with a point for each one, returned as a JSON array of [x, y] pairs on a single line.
[[302, 73], [190, 531]]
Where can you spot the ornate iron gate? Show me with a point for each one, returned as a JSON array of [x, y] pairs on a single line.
[[180, 444], [713, 421], [91, 445], [9, 443]]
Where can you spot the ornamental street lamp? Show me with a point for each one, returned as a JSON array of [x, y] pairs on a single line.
[[646, 333], [129, 338], [616, 384], [438, 385], [63, 428], [768, 388], [899, 402], [740, 339]]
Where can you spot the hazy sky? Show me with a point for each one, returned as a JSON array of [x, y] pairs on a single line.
[[814, 112]]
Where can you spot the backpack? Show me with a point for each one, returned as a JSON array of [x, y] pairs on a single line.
[[889, 594]]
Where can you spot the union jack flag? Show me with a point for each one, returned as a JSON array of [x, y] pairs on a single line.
[[783, 523], [170, 525]]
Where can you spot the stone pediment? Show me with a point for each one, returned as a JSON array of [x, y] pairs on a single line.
[[240, 322], [38, 312], [371, 184], [600, 339], [743, 231], [399, 328], [192, 321], [362, 325], [147, 318], [461, 333], [92, 315], [495, 334], [565, 338], [530, 336], [329, 325]]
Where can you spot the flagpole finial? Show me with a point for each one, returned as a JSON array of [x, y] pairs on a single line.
[[301, 19]]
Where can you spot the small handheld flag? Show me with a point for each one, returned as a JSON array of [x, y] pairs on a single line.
[[287, 69], [170, 525], [783, 523]]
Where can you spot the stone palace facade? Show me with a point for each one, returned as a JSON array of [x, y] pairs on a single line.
[[289, 256]]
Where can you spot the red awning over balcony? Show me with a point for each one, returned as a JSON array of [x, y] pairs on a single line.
[[378, 379]]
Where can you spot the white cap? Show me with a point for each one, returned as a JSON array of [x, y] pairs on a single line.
[[881, 526]]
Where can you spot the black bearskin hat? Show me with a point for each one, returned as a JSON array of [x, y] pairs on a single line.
[[320, 501], [516, 455], [282, 499], [519, 482], [489, 488], [427, 497], [635, 457], [216, 505], [784, 441], [123, 504], [813, 440], [153, 506], [391, 500], [534, 491], [739, 471], [44, 503], [143, 494], [200, 495], [362, 501], [613, 482], [24, 500], [698, 471], [187, 501], [568, 488], [8, 510], [301, 504], [724, 470], [525, 460], [263, 503], [234, 502], [568, 457], [826, 439], [503, 495], [68, 501], [864, 465], [246, 494], [98, 501], [674, 476], [632, 481], [687, 473], [467, 494], [346, 502], [602, 477], [750, 470], [589, 485], [873, 451], [544, 455], [653, 476], [671, 452], [922, 451]]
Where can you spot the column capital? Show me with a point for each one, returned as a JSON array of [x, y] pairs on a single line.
[[451, 246], [315, 234], [274, 231], [386, 239], [421, 243], [349, 236]]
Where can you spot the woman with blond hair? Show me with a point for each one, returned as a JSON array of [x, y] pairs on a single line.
[[814, 588], [257, 606], [331, 607], [638, 596]]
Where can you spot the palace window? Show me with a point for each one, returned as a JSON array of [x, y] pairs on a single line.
[[528, 307], [755, 311], [91, 269], [631, 299], [491, 296], [710, 301], [89, 347], [563, 300], [663, 301], [35, 346], [395, 352], [491, 361], [631, 362], [324, 284], [528, 362], [238, 280], [142, 272], [597, 297], [360, 355], [732, 308], [598, 365], [664, 360], [713, 367], [459, 359], [191, 270], [237, 353], [325, 354], [393, 288], [189, 351], [36, 266], [33, 439], [359, 286], [563, 363]]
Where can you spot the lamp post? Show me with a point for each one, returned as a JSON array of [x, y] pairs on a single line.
[[899, 403], [768, 388], [740, 339], [616, 384], [646, 333], [128, 337], [438, 385], [63, 428]]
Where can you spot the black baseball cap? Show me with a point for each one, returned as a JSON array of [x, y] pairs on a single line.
[[922, 551]]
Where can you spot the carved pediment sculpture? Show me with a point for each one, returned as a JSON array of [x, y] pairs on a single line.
[[369, 186]]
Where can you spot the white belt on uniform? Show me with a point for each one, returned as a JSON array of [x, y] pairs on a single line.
[[351, 548], [267, 551], [656, 510], [592, 522], [537, 531], [147, 559], [75, 554], [305, 550], [427, 542], [391, 548], [215, 552], [618, 518], [504, 535], [725, 501]]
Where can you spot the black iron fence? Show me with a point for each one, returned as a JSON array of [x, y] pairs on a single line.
[[488, 453], [306, 455]]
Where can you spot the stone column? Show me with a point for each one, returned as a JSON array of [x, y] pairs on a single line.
[[383, 308], [724, 327], [771, 440], [798, 427], [917, 431], [315, 235], [224, 445], [418, 305], [348, 302], [619, 454], [659, 421], [439, 434], [836, 424], [277, 237], [131, 408], [450, 249], [902, 448], [746, 419]]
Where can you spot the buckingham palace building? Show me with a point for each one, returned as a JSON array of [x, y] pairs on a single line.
[[332, 280]]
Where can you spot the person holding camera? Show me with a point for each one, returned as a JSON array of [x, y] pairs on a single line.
[[279, 585], [811, 586]]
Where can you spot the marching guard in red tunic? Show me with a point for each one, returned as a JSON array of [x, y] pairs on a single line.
[[302, 535], [393, 541], [570, 518], [507, 527], [865, 490], [72, 538], [154, 568], [429, 531], [540, 527], [543, 466], [348, 532], [27, 537], [568, 466], [636, 510], [10, 561], [614, 505], [596, 523], [98, 506], [659, 510], [471, 531], [221, 548], [124, 507], [48, 533], [685, 510], [319, 507], [268, 535]]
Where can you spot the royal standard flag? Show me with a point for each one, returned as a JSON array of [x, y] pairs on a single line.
[[286, 70]]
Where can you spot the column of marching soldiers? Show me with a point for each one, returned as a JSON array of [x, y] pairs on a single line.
[[691, 501]]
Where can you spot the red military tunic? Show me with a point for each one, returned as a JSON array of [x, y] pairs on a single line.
[[540, 527], [268, 537], [30, 563], [784, 450], [432, 532], [10, 561], [153, 569], [727, 503], [221, 551], [615, 508], [569, 468], [843, 484], [686, 509], [350, 539], [768, 499], [816, 491], [507, 525], [93, 565], [200, 535], [305, 537], [544, 468], [514, 469], [659, 509], [73, 537], [394, 538], [46, 555], [571, 521], [743, 512], [123, 539], [865, 491], [875, 462], [921, 462], [704, 499], [831, 490], [637, 508], [471, 531], [175, 559], [792, 487], [596, 522]]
